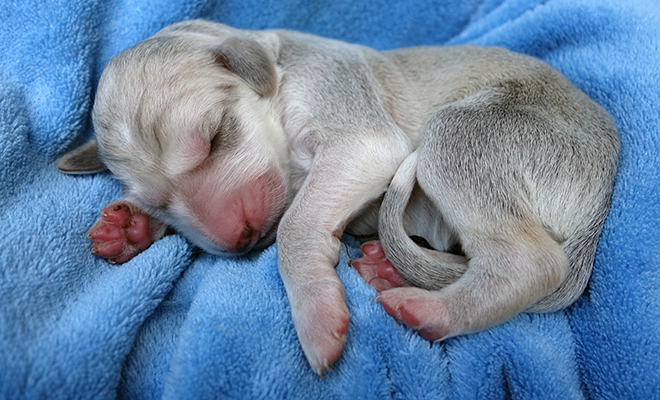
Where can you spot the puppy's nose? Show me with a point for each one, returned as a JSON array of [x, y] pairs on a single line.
[[245, 240]]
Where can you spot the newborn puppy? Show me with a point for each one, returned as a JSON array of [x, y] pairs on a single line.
[[231, 137]]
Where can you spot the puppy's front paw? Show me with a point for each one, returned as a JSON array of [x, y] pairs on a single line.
[[376, 269], [424, 311], [120, 233], [321, 318]]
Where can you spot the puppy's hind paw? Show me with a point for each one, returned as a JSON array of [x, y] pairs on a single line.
[[120, 233], [422, 310], [376, 269]]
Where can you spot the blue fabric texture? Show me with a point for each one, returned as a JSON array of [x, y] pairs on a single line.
[[177, 324]]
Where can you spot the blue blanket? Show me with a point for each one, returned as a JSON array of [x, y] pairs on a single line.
[[175, 323]]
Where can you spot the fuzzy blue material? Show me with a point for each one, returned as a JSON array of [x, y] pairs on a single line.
[[174, 325]]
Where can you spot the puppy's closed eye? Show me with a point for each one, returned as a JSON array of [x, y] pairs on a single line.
[[216, 141], [225, 134]]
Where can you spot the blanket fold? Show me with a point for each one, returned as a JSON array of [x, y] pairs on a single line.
[[175, 323]]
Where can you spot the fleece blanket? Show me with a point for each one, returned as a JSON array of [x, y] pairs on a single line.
[[176, 323]]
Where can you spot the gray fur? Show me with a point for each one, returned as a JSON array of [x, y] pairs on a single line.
[[503, 156], [526, 158]]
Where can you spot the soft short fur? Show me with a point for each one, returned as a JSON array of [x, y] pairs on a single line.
[[232, 136]]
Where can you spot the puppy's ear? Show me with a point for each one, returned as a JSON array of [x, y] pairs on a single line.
[[249, 60], [83, 160]]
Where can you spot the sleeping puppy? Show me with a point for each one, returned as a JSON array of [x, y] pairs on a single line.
[[232, 137]]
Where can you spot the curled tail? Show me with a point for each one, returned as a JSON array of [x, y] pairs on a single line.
[[424, 268], [580, 251]]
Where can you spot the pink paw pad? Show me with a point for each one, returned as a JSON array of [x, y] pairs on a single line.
[[121, 232], [420, 310], [376, 269]]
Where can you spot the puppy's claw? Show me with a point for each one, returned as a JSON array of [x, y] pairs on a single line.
[[325, 367], [340, 336], [393, 312]]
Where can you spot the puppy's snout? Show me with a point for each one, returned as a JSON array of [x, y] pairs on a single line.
[[246, 240]]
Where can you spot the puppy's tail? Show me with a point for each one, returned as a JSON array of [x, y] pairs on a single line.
[[580, 251], [424, 268]]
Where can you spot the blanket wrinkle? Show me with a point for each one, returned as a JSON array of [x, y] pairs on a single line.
[[173, 325]]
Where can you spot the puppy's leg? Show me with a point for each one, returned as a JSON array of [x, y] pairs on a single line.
[[308, 243], [504, 277], [476, 164], [122, 231]]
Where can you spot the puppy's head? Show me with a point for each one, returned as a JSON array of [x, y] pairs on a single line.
[[187, 122]]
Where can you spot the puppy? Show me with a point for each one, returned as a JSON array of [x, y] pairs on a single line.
[[232, 137]]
